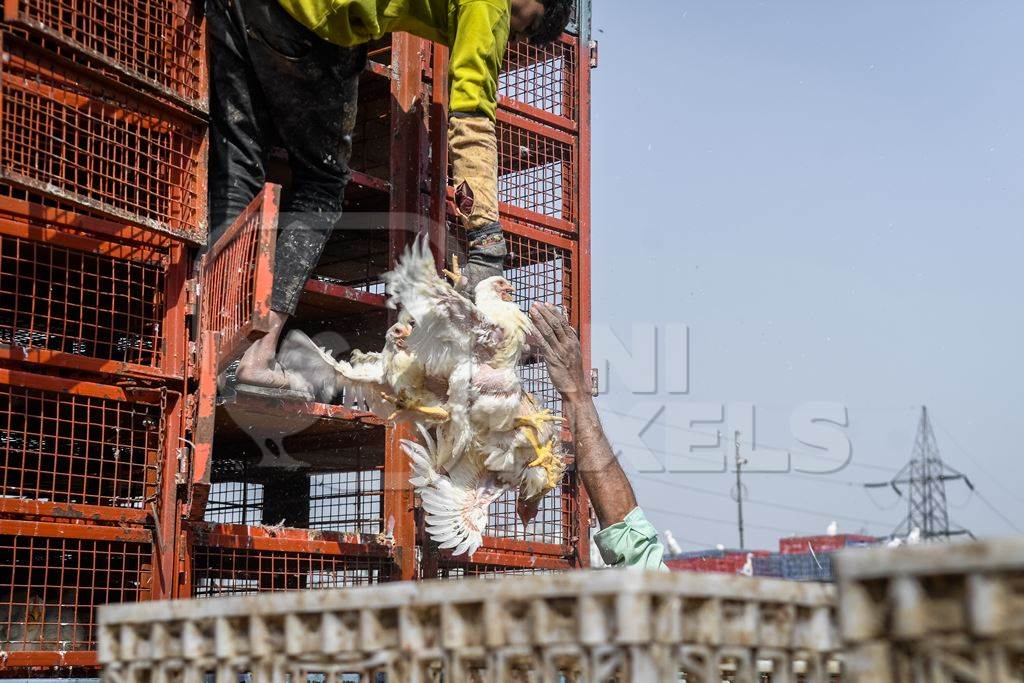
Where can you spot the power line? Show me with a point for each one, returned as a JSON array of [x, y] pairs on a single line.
[[993, 508], [981, 467], [717, 435], [714, 520], [765, 503]]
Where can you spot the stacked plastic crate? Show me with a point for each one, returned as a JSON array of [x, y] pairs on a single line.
[[290, 495], [809, 558], [102, 194]]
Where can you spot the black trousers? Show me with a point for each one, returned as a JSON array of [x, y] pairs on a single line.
[[274, 81]]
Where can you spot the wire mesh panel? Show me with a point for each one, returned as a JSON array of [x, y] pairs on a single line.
[[552, 524], [537, 168], [238, 274], [72, 294], [159, 43], [467, 570], [350, 502], [70, 133], [541, 77], [65, 441], [234, 502], [50, 586], [231, 560]]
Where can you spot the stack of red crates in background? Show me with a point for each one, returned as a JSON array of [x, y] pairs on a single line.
[[822, 544], [102, 204], [726, 561], [800, 558]]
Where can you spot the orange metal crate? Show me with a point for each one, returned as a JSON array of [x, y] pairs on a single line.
[[537, 168], [83, 293], [540, 81], [231, 560], [52, 577], [72, 448], [159, 43], [72, 134]]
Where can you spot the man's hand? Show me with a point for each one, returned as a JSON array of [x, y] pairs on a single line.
[[609, 489], [561, 347]]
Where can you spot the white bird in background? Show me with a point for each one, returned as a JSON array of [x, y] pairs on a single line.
[[748, 567], [914, 537], [833, 528], [894, 542], [670, 541]]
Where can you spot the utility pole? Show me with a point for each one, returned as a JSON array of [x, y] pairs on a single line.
[[739, 489], [925, 478]]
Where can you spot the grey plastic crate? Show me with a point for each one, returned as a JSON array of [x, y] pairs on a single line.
[[621, 625]]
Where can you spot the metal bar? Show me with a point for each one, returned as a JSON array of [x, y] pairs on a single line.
[[288, 540], [512, 119], [70, 386], [19, 660], [499, 558], [72, 361], [527, 547], [542, 117], [409, 155], [17, 527], [87, 513], [344, 293], [583, 256]]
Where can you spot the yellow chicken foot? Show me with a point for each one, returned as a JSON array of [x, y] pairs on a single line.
[[547, 459], [455, 274], [536, 420], [404, 405]]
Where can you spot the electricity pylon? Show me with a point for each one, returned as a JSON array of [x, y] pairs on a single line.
[[924, 478]]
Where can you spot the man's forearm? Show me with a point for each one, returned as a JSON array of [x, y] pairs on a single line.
[[610, 491]]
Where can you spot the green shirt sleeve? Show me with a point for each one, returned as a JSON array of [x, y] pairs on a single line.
[[633, 542], [477, 52]]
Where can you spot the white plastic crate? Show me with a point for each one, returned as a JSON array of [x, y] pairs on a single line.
[[933, 614], [610, 625]]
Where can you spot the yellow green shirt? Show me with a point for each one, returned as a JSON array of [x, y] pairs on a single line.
[[477, 32]]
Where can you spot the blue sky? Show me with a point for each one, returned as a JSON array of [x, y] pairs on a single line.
[[830, 196]]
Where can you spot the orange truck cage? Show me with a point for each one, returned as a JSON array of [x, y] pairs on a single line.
[[126, 473]]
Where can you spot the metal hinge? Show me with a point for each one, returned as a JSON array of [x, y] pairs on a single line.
[[193, 359], [594, 54], [192, 297], [595, 385]]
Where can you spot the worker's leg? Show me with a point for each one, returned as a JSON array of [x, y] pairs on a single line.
[[311, 90], [237, 120]]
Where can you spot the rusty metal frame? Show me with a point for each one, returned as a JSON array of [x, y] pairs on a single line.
[[86, 532], [18, 13], [235, 312], [92, 91], [105, 239], [419, 202]]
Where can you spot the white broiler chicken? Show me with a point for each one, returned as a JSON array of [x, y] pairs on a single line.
[[390, 383], [476, 345], [498, 438]]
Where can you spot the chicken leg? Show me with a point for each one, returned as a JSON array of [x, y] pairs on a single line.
[[547, 459], [535, 421], [403, 404]]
